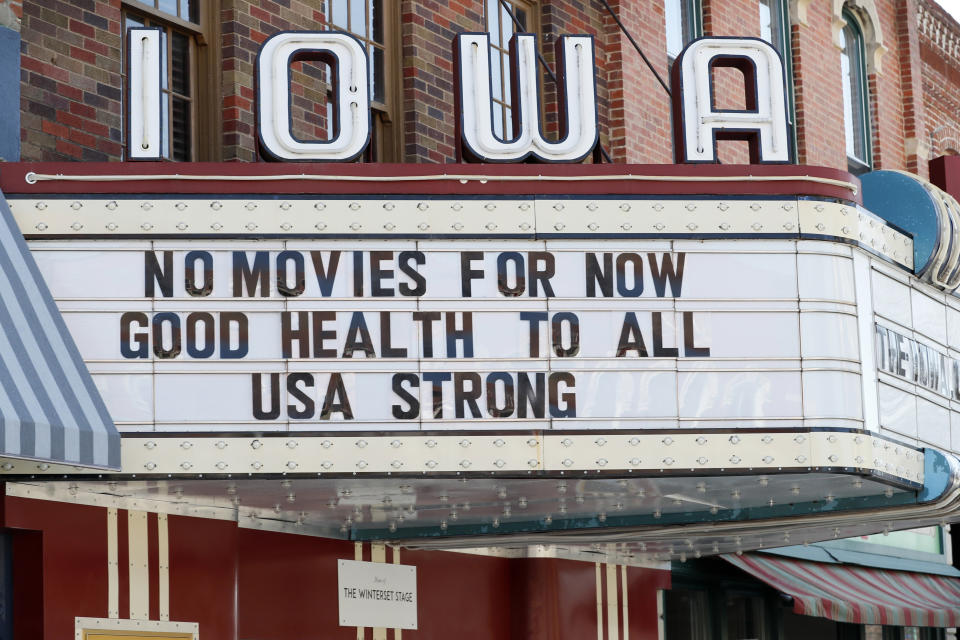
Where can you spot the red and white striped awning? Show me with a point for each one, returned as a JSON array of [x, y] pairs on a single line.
[[862, 595]]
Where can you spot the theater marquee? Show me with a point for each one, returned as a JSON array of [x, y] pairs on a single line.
[[714, 334]]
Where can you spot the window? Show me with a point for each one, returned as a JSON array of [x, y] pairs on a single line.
[[745, 617], [373, 23], [683, 24], [856, 113], [775, 29], [772, 27], [501, 27], [686, 613], [190, 110]]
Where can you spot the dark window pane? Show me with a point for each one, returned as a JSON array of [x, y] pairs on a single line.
[[165, 117], [377, 18], [745, 619], [521, 16], [180, 125], [190, 10], [686, 615], [180, 64], [379, 79], [132, 21]]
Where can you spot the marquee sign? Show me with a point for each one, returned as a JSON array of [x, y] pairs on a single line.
[[732, 343], [698, 123], [399, 314]]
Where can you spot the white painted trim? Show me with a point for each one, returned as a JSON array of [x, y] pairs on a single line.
[[625, 600], [163, 565], [863, 281], [661, 626], [599, 586], [358, 556], [397, 633], [705, 451], [378, 553], [613, 627], [113, 566]]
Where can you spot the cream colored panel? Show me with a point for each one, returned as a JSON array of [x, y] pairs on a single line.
[[113, 566], [139, 569], [613, 626], [163, 551]]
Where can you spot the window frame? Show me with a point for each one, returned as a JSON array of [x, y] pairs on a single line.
[[502, 51], [857, 165], [780, 28], [206, 143], [386, 144]]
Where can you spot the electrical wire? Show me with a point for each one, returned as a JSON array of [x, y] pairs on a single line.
[[32, 177], [636, 46], [543, 62]]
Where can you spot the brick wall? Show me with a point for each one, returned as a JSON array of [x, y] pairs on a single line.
[[939, 37], [428, 29], [245, 26], [639, 108], [71, 81]]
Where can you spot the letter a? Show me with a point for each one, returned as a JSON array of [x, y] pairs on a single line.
[[577, 100], [697, 125]]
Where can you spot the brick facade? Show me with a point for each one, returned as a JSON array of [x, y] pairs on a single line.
[[939, 38], [72, 77]]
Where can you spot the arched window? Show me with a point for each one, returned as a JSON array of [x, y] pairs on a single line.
[[856, 104]]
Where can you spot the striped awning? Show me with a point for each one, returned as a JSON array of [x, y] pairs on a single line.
[[50, 409], [861, 595]]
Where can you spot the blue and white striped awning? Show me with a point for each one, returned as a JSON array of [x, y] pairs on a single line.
[[50, 409]]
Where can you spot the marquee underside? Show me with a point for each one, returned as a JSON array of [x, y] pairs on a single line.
[[626, 519]]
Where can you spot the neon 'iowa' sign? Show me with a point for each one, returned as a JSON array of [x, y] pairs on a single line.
[[698, 124]]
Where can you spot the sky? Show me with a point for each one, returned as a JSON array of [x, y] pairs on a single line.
[[952, 7]]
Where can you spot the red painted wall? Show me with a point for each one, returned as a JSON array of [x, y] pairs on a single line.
[[60, 569], [245, 584], [287, 586], [642, 585], [74, 553], [461, 596], [203, 575]]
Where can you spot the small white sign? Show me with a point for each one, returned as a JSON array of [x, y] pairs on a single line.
[[374, 594]]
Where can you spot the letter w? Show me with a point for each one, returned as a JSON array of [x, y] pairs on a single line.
[[577, 100]]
